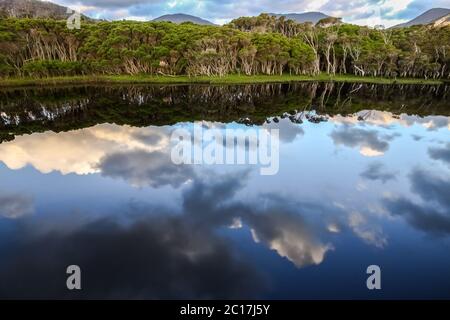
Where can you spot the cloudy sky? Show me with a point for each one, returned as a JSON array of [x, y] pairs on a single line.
[[365, 12]]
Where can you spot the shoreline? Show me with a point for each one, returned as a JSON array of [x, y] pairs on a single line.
[[226, 80]]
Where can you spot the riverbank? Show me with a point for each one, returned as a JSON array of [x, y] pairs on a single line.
[[229, 79]]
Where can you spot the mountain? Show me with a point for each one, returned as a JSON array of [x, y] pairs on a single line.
[[313, 17], [33, 9], [444, 21], [181, 17], [431, 16]]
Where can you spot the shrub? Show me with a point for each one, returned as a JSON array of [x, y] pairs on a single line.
[[47, 68]]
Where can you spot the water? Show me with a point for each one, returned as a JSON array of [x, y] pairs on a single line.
[[86, 179]]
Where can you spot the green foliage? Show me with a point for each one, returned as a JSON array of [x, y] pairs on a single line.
[[46, 68], [256, 45], [5, 68]]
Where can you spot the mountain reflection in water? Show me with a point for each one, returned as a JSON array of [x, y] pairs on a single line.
[[87, 179]]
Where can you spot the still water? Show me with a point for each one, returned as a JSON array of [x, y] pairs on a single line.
[[86, 179]]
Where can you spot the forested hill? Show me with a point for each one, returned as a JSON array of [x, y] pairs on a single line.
[[428, 17], [313, 17], [257, 45], [34, 9], [181, 18]]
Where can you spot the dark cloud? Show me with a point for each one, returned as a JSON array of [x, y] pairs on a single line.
[[15, 205], [142, 168], [431, 188], [157, 253], [356, 137], [442, 154], [208, 196], [377, 171], [424, 218], [433, 214], [153, 258], [280, 224], [148, 137]]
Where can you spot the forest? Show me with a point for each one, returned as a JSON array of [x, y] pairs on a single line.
[[68, 108], [263, 45]]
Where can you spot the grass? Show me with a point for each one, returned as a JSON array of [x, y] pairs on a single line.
[[229, 79]]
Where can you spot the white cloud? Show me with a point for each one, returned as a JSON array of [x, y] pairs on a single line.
[[290, 237], [387, 119], [80, 151], [364, 12], [365, 230]]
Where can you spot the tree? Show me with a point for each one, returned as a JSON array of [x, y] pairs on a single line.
[[250, 45]]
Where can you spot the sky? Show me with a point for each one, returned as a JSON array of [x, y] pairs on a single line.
[[191, 232], [363, 12]]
